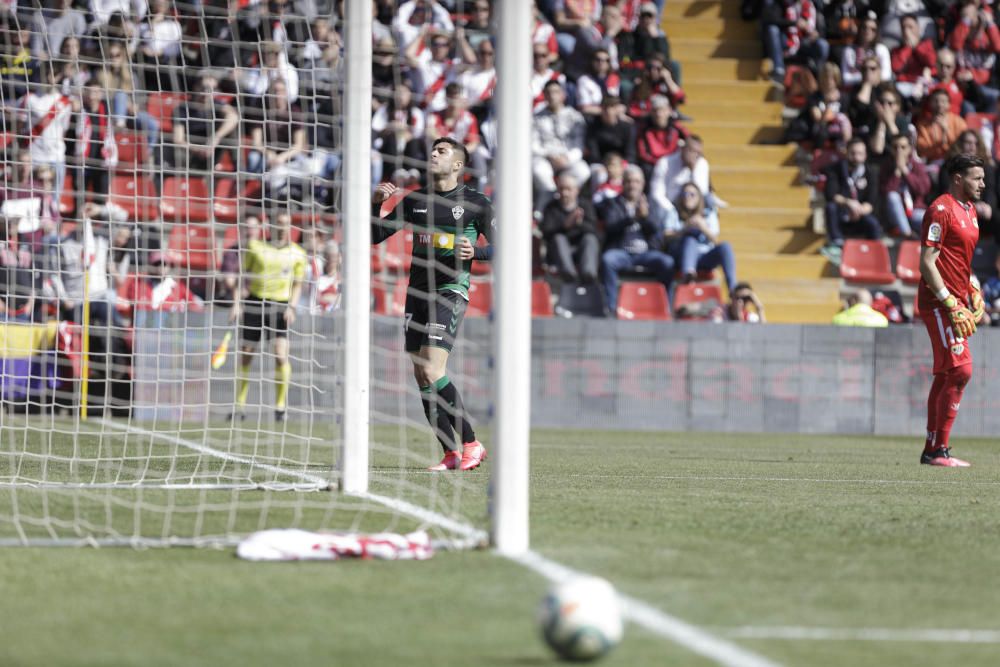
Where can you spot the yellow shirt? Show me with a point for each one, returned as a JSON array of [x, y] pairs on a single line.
[[860, 315], [272, 271]]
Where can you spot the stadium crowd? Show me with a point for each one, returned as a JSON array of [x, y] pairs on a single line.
[[138, 132], [885, 92]]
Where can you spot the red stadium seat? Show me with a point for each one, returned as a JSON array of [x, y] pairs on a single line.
[[541, 299], [864, 261], [185, 200], [389, 302], [225, 206], [68, 200], [135, 194], [195, 246], [696, 301], [643, 301], [480, 299], [399, 251], [132, 150], [161, 107], [908, 262], [481, 268]]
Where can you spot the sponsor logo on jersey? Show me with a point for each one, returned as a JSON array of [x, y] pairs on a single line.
[[934, 232], [958, 348], [420, 210], [457, 212], [437, 239]]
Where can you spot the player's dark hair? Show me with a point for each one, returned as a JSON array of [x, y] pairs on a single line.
[[455, 146], [959, 164], [550, 83]]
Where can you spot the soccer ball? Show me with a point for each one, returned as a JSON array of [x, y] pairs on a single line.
[[581, 618]]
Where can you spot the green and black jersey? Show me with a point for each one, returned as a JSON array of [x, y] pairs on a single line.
[[439, 220]]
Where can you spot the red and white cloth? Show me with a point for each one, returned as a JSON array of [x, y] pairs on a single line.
[[293, 544]]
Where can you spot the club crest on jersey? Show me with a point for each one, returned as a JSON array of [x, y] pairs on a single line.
[[934, 232], [958, 348], [457, 212]]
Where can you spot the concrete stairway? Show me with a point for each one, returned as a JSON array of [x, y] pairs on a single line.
[[738, 114]]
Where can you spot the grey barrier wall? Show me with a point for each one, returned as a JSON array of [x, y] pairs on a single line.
[[603, 374]]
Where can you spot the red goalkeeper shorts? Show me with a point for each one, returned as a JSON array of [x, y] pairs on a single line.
[[950, 351]]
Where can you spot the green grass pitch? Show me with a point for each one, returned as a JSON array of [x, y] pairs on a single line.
[[723, 531]]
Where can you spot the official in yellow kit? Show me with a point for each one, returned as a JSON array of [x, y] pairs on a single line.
[[270, 286]]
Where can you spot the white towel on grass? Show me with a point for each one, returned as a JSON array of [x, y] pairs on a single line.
[[293, 544]]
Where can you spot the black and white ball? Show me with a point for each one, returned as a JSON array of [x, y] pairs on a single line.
[[581, 619]]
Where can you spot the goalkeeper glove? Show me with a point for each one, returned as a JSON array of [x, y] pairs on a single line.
[[961, 317], [976, 300]]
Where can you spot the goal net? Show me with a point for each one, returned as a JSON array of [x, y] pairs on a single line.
[[148, 148]]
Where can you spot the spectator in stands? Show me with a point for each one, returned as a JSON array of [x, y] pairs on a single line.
[[937, 129], [859, 312], [861, 109], [894, 10], [637, 47], [891, 121], [18, 66], [971, 142], [457, 122], [791, 34], [432, 69], [95, 143], [202, 128], [327, 288], [18, 293], [903, 186], [50, 26], [656, 80], [698, 249], [661, 136], [385, 72], [72, 74], [159, 289], [278, 142], [570, 17], [414, 18], [476, 29], [975, 39], [398, 130], [569, 229], [611, 132], [673, 172], [842, 19], [274, 66], [601, 35], [745, 305], [634, 230], [851, 195], [600, 82], [544, 34], [66, 275], [541, 74], [231, 266], [320, 61], [160, 47], [479, 81], [825, 111], [914, 60], [48, 115], [865, 46], [945, 79], [612, 171], [558, 134]]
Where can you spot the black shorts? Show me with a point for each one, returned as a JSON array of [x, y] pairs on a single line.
[[432, 320], [262, 315]]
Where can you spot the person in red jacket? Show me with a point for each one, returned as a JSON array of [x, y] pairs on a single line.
[[661, 136], [914, 60], [975, 39]]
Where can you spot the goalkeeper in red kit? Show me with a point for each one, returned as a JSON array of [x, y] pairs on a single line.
[[949, 298]]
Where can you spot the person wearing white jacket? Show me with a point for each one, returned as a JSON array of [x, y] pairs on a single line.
[[557, 143]]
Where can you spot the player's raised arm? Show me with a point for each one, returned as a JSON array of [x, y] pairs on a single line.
[[383, 228]]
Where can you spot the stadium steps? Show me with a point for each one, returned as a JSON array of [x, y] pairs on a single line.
[[738, 113]]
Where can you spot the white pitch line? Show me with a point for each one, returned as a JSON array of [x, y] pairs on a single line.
[[796, 633], [658, 622], [809, 480]]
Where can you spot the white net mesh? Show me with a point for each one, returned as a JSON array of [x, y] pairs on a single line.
[[146, 149]]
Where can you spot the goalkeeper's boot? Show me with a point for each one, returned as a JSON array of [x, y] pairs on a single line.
[[451, 461], [473, 453], [280, 416], [942, 458], [237, 416]]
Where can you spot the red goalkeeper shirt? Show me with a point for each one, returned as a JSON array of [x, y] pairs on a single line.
[[951, 226]]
